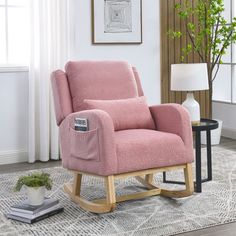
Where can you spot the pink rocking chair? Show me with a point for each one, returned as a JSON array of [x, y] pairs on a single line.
[[126, 138]]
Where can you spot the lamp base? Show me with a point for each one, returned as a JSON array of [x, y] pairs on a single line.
[[193, 108]]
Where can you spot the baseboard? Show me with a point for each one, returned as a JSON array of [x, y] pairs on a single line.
[[13, 156], [229, 133]]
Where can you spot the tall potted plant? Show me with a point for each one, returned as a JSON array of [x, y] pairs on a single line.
[[210, 36]]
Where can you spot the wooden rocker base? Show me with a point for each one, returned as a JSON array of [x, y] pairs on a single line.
[[145, 177]]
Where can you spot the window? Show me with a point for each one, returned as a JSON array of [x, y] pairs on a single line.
[[14, 33], [224, 86]]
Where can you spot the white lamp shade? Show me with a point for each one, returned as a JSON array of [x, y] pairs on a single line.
[[189, 77]]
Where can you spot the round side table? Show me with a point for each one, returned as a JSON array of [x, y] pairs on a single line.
[[205, 125]]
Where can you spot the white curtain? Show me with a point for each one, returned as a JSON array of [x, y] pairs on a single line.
[[49, 51]]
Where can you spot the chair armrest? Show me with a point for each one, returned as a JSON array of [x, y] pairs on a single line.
[[97, 119], [173, 118]]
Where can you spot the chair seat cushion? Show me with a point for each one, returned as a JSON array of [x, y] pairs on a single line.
[[131, 113], [140, 149]]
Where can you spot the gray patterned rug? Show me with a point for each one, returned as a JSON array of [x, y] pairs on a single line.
[[151, 216]]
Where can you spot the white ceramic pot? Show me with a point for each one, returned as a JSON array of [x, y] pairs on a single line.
[[36, 195], [215, 134]]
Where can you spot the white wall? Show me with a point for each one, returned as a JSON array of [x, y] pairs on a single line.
[[13, 116], [146, 57], [226, 113]]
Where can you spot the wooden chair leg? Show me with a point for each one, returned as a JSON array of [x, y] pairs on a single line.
[[77, 184], [188, 175], [74, 192], [110, 189], [149, 178]]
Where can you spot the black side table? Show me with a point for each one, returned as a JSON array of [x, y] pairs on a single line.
[[205, 125]]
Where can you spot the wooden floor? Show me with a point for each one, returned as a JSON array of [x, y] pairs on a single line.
[[222, 230], [26, 166]]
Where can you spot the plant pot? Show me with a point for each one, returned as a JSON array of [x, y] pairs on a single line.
[[36, 195], [215, 134]]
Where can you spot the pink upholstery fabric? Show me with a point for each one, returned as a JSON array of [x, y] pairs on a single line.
[[105, 163], [100, 80], [138, 82], [84, 145], [173, 118], [124, 112], [61, 95], [102, 150], [141, 149]]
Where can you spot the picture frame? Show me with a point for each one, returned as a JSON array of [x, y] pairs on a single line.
[[116, 21]]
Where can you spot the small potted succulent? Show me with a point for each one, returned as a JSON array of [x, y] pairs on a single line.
[[35, 183]]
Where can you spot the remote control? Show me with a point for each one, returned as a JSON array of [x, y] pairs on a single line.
[[81, 124]]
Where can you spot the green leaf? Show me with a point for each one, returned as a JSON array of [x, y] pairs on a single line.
[[178, 6], [174, 34], [210, 34], [191, 26], [183, 14], [36, 179]]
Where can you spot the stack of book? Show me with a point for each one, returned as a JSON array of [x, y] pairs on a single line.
[[30, 214]]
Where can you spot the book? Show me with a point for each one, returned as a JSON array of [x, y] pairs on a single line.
[[35, 219], [25, 207], [32, 216]]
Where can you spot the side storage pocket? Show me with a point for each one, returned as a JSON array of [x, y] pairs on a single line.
[[84, 144]]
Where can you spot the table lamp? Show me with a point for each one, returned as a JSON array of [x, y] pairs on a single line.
[[190, 77]]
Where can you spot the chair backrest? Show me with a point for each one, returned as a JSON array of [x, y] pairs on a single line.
[[103, 80]]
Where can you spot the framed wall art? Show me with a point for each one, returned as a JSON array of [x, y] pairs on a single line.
[[117, 21]]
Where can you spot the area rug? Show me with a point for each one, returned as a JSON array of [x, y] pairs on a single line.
[[151, 216]]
